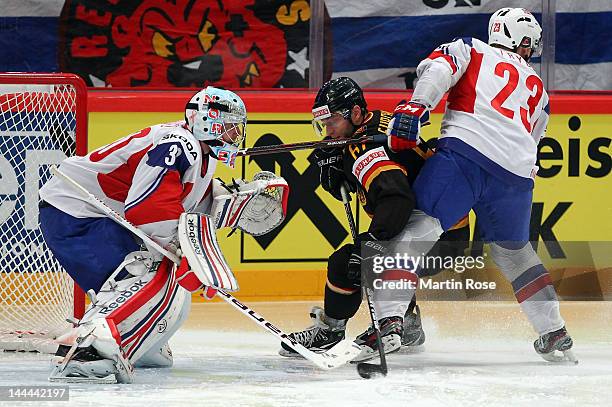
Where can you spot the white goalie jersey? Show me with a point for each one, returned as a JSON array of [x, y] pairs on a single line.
[[150, 177], [496, 104]]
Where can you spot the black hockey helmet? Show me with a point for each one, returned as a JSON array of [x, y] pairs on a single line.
[[340, 95]]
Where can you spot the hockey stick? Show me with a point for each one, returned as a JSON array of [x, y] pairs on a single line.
[[338, 355], [280, 148], [366, 370]]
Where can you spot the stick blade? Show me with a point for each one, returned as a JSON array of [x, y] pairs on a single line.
[[370, 370], [340, 354]]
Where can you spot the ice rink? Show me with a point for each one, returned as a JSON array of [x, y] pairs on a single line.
[[475, 354]]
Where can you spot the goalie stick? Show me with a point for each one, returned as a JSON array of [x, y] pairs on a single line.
[[366, 370], [279, 148], [339, 355]]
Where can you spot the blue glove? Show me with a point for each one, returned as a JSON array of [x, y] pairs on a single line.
[[405, 126]]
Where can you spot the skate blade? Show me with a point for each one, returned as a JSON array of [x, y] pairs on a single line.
[[409, 349], [289, 354], [390, 345], [566, 357], [110, 379]]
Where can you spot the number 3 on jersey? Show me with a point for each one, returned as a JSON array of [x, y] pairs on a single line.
[[532, 83], [173, 152]]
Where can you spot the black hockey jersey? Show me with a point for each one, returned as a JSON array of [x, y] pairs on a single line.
[[382, 177]]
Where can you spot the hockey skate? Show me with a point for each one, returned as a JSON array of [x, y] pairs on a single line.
[[85, 366], [414, 336], [555, 347], [92, 357], [391, 331], [320, 337]]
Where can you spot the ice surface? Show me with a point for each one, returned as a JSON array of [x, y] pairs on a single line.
[[489, 363]]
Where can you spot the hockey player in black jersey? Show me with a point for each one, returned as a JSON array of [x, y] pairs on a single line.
[[381, 179]]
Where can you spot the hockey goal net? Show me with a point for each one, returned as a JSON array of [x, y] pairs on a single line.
[[43, 119]]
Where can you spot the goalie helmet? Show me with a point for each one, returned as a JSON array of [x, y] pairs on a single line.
[[338, 95], [217, 117], [514, 27]]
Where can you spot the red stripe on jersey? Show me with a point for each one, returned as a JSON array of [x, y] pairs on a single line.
[[208, 191], [116, 183], [108, 149], [446, 57], [372, 172], [187, 186], [164, 203], [462, 96], [533, 287]]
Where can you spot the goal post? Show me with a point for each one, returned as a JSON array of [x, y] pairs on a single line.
[[43, 119]]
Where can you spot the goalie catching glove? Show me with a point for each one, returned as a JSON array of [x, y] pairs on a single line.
[[256, 207]]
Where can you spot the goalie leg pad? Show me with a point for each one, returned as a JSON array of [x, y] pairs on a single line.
[[141, 313], [150, 317], [156, 357]]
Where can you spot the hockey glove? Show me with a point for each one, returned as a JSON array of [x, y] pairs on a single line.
[[331, 171], [187, 278], [405, 126], [190, 282], [371, 247], [208, 292]]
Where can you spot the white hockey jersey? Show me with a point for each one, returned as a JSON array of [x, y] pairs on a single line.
[[497, 104], [150, 177]]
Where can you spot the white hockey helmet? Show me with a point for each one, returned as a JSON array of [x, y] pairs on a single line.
[[217, 117], [514, 27]]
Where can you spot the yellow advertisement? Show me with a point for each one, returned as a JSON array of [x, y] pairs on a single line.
[[571, 198]]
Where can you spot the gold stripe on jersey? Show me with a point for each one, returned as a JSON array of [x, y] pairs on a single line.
[[376, 170]]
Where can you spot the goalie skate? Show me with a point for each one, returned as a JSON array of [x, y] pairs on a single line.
[[94, 357], [318, 338], [391, 331], [85, 365], [556, 347]]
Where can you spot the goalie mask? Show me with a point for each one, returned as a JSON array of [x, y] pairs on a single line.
[[218, 117], [515, 27]]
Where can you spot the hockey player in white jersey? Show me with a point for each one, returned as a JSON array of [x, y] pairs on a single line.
[[150, 177], [496, 113]]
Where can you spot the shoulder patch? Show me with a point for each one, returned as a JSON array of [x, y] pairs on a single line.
[[188, 143], [372, 163]]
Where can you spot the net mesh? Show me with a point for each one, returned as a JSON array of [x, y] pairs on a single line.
[[37, 129]]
